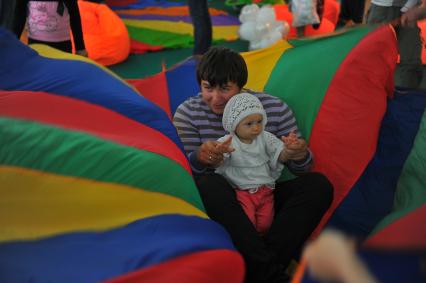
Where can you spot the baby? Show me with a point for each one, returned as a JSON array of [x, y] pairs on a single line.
[[257, 160]]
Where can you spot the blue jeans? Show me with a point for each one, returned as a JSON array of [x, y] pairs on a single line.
[[199, 11]]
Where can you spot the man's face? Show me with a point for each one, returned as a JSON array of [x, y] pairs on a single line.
[[217, 97]]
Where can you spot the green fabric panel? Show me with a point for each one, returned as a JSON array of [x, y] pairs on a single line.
[[411, 188], [160, 38], [303, 74], [51, 149]]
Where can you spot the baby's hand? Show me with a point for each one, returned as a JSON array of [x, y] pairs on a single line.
[[225, 146], [290, 139]]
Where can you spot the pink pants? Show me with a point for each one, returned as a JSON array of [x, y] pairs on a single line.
[[258, 206]]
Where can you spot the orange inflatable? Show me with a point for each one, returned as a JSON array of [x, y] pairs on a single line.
[[328, 23], [325, 27], [331, 11], [105, 35]]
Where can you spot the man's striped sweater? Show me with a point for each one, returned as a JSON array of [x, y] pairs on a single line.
[[196, 124]]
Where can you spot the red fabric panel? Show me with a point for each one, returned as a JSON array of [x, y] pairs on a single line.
[[82, 116], [345, 132], [155, 90], [408, 232], [137, 47], [215, 266]]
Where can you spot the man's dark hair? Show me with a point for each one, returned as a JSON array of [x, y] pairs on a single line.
[[220, 65]]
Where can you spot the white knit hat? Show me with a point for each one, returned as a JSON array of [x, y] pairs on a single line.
[[239, 107]]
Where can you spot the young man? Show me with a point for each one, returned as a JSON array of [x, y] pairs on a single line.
[[299, 203]]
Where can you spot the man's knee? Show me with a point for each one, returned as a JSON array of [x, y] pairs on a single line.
[[213, 186], [323, 189]]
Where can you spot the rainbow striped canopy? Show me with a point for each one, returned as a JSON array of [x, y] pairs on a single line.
[[70, 129], [94, 183], [367, 140], [346, 75], [155, 25]]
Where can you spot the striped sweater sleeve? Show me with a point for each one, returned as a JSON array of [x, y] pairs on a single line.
[[189, 136]]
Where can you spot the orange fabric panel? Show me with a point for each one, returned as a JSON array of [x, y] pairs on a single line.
[[105, 35]]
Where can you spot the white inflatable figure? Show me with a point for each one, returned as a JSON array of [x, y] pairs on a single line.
[[259, 26], [304, 13]]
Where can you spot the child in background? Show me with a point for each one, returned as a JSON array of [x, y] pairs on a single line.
[[257, 160], [49, 23]]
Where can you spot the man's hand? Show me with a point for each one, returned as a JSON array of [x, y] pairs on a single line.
[[211, 152]]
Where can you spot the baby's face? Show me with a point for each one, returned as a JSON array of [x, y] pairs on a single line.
[[249, 128]]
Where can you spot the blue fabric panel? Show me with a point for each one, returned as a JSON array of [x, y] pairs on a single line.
[[182, 83], [23, 69], [372, 196], [93, 257]]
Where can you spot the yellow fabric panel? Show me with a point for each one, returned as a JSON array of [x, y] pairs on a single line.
[[261, 62], [219, 32], [36, 204], [53, 53]]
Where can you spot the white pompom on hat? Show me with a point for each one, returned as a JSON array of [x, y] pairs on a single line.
[[239, 107]]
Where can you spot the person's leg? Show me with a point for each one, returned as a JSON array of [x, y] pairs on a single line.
[[299, 206], [265, 209], [409, 69], [351, 11], [199, 12], [356, 10], [222, 206]]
